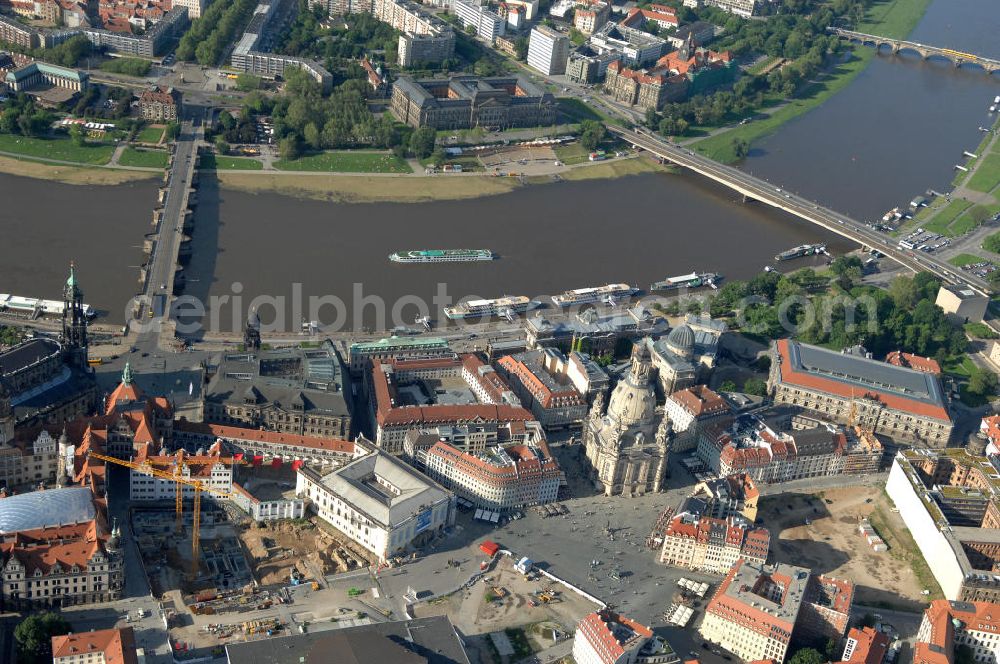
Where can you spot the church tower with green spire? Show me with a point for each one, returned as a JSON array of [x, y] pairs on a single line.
[[74, 323]]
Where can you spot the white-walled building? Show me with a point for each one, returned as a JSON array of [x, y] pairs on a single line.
[[213, 470], [501, 478], [488, 24], [379, 502], [548, 50]]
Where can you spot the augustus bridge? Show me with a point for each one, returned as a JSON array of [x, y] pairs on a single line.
[[958, 58]]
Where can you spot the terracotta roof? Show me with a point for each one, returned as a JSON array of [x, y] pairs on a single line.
[[63, 546], [526, 464], [870, 646], [926, 364], [118, 645], [700, 401], [263, 436], [598, 629], [158, 94], [387, 414], [941, 616]]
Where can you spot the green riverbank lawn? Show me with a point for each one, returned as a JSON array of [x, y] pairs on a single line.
[[893, 18], [211, 161], [720, 147], [347, 162], [61, 148], [966, 259], [149, 135], [987, 175], [143, 158]]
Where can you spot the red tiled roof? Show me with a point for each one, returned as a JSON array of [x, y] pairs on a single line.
[[926, 364], [870, 648], [267, 437], [700, 401], [387, 414], [527, 465], [118, 645], [595, 628]]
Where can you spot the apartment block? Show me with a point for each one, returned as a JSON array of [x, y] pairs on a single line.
[[548, 50]]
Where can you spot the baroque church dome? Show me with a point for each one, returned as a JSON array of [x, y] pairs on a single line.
[[633, 400]]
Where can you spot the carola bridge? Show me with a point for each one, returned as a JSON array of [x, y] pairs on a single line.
[[958, 58], [765, 192]]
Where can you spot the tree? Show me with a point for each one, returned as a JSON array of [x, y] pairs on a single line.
[[740, 148], [76, 133], [755, 386], [33, 637], [982, 384], [979, 213], [727, 386], [172, 130], [807, 656], [247, 82], [221, 146], [422, 142], [289, 148], [592, 133]]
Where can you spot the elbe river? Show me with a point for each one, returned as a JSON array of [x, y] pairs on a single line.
[[894, 132]]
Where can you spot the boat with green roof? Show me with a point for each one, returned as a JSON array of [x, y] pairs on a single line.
[[441, 256]]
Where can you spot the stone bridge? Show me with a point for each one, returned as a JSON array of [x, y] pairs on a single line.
[[958, 58]]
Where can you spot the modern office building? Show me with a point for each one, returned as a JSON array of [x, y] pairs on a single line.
[[948, 500], [962, 304], [462, 102], [488, 24], [633, 46], [897, 402], [586, 65], [741, 8], [379, 502], [548, 50], [154, 42], [251, 53]]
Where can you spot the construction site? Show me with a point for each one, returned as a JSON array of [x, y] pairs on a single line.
[[823, 531]]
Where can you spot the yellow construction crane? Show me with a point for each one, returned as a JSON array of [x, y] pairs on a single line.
[[179, 483]]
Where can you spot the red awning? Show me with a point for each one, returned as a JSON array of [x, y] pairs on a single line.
[[276, 462]]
